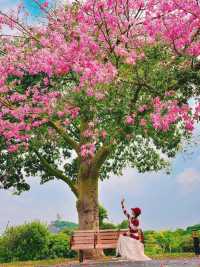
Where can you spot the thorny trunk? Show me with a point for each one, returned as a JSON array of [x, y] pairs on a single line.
[[88, 209]]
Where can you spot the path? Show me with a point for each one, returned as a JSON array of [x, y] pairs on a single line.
[[162, 263]]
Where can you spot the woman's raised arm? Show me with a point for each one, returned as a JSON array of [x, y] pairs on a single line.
[[124, 209]]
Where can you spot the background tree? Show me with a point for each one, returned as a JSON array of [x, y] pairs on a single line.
[[123, 224], [59, 246], [103, 214], [33, 241], [95, 89], [151, 244], [24, 242]]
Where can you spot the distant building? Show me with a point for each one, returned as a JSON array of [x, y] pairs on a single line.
[[58, 225]]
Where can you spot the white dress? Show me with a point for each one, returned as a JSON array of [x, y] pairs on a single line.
[[131, 249]]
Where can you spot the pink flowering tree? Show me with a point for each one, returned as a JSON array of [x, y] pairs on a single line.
[[97, 87]]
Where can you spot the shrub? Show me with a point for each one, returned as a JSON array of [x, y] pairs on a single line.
[[59, 246], [25, 242], [33, 241]]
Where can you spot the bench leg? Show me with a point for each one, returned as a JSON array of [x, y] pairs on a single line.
[[80, 255]]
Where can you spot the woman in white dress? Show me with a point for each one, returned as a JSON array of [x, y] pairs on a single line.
[[130, 245]]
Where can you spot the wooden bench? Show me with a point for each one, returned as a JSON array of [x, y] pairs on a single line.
[[103, 239]]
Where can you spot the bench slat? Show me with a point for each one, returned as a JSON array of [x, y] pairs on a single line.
[[83, 238], [86, 231], [82, 247], [109, 231], [107, 242], [107, 238], [83, 234], [104, 246], [83, 242], [104, 241], [112, 235], [90, 239]]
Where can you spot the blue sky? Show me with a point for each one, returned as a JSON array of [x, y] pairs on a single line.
[[8, 4], [167, 201]]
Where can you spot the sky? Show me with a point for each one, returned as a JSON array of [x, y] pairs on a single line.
[[167, 201]]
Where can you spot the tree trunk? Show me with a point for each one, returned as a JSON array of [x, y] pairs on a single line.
[[88, 210]]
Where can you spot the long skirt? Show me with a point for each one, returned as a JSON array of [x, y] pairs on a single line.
[[131, 249]]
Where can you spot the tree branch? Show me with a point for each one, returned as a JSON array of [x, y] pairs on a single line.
[[57, 173], [20, 25], [65, 136], [100, 158]]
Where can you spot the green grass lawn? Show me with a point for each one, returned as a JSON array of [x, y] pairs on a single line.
[[37, 263], [172, 256], [68, 261]]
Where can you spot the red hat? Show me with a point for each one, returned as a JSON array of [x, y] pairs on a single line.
[[137, 211]]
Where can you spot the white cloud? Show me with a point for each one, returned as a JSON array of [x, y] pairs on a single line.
[[42, 203], [189, 179], [132, 186], [130, 180]]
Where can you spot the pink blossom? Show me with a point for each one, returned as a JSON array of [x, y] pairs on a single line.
[[88, 151], [46, 81], [84, 151], [88, 52], [142, 108], [74, 112], [103, 134], [45, 4], [36, 124], [129, 120], [90, 92], [143, 122], [13, 148], [17, 97], [131, 58], [66, 122], [88, 133], [121, 51], [189, 125], [170, 93], [4, 89], [44, 42], [61, 114]]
